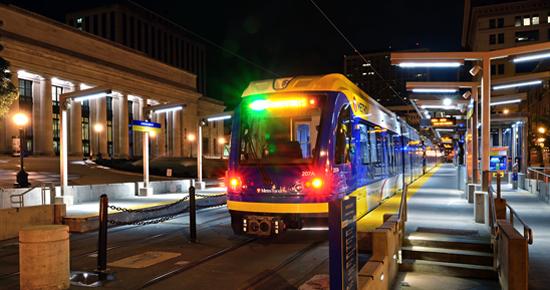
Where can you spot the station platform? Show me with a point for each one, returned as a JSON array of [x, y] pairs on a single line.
[[444, 246], [83, 217], [536, 214]]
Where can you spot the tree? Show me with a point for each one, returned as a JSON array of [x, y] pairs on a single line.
[[8, 92]]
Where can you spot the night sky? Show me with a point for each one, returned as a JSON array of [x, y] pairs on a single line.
[[291, 37]]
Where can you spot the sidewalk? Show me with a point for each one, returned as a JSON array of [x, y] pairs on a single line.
[[536, 214], [438, 204]]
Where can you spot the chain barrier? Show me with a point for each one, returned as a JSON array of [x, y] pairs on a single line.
[[157, 208], [156, 220]]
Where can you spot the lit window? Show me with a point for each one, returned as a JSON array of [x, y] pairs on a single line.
[[535, 20], [526, 21], [518, 21]]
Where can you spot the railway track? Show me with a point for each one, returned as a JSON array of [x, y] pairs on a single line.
[[124, 243], [194, 264], [267, 275]]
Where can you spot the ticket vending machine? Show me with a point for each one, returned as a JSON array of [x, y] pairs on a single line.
[[498, 161]]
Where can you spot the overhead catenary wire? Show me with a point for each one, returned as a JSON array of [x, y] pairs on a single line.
[[356, 50]]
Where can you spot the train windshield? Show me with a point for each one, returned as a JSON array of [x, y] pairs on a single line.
[[280, 130]]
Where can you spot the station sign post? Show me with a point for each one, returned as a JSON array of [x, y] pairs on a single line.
[[147, 128], [343, 243]]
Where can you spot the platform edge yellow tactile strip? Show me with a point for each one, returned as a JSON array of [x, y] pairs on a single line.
[[375, 218]]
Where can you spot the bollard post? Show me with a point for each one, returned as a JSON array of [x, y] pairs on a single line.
[[192, 215], [102, 236]]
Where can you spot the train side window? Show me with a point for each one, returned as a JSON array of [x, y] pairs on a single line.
[[364, 143], [342, 152]]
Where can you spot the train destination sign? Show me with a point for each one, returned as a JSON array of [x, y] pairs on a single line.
[[145, 126], [343, 243], [443, 122]]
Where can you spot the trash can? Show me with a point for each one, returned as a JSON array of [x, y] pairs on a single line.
[[44, 257]]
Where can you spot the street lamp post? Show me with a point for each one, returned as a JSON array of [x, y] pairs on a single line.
[[98, 128], [21, 120], [191, 138], [64, 102], [221, 141]]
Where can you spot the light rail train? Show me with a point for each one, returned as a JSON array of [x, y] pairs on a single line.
[[300, 142]]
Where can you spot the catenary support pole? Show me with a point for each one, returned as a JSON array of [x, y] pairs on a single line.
[[192, 215], [102, 235]]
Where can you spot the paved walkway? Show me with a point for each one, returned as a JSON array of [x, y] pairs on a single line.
[[437, 206], [537, 215]]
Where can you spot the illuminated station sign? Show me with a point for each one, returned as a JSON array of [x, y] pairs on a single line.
[[443, 122]]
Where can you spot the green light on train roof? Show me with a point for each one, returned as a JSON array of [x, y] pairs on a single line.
[[259, 105]]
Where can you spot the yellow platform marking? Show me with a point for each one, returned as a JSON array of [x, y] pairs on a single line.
[[375, 218], [144, 260], [266, 207]]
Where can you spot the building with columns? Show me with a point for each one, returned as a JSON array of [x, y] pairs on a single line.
[[49, 58]]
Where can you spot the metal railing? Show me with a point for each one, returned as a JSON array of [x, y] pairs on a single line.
[[402, 214], [493, 214], [541, 176], [18, 200], [510, 215], [527, 231]]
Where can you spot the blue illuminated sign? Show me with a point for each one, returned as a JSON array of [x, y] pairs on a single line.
[[343, 243], [145, 126]]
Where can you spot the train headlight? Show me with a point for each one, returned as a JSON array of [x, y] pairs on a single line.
[[317, 183], [235, 183]]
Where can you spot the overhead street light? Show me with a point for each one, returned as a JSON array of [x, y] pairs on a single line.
[[64, 100], [429, 64], [430, 90], [531, 57], [517, 85], [506, 102], [21, 120]]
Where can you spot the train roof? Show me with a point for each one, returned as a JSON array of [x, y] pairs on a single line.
[[334, 82]]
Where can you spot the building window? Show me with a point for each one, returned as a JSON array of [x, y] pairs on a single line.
[[87, 24], [132, 32], [25, 105], [109, 105], [96, 24], [517, 22], [535, 19], [104, 25], [493, 70], [500, 68], [524, 36], [112, 26], [86, 136], [56, 91], [79, 21], [500, 22], [492, 23], [205, 146], [124, 30], [501, 38], [85, 114], [526, 20], [492, 39], [130, 131]]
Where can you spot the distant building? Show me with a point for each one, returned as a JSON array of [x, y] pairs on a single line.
[[49, 58], [490, 25], [136, 27], [363, 74]]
